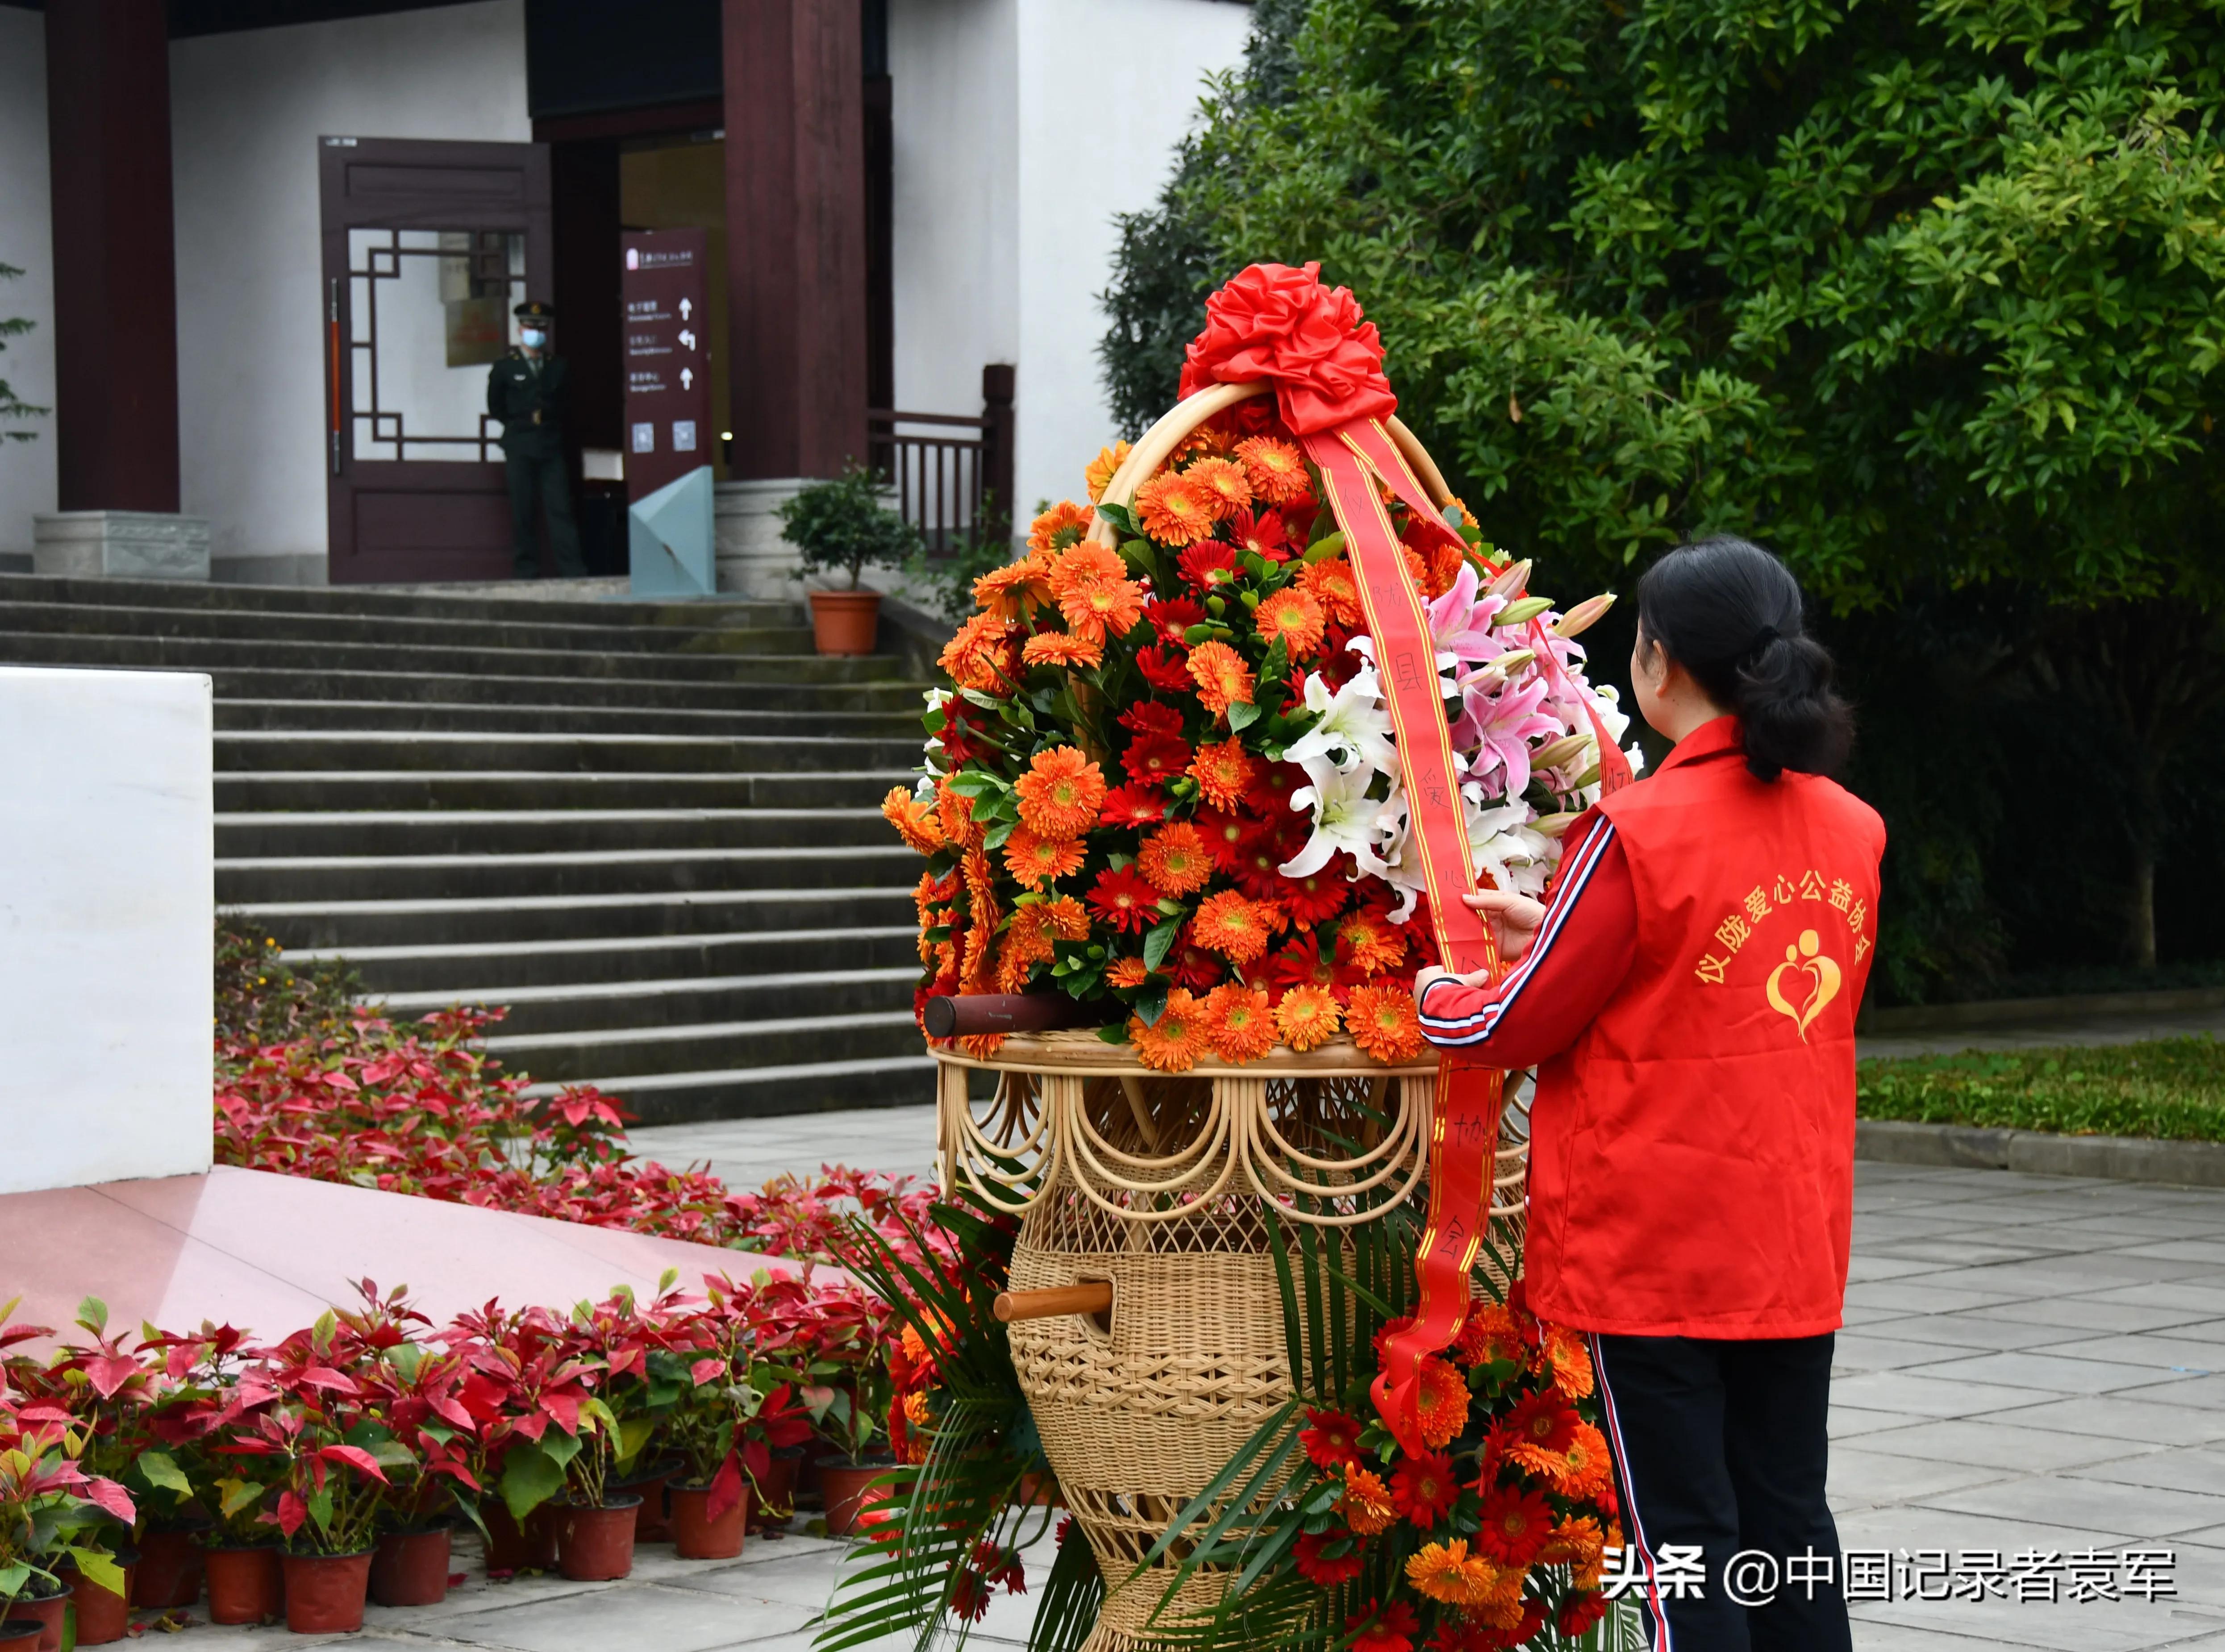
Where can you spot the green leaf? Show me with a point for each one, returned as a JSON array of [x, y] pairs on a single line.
[[1323, 549], [530, 1476], [1242, 714], [1160, 941], [160, 1471]]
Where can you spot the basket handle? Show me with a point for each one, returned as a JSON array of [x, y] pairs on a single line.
[[1176, 425]]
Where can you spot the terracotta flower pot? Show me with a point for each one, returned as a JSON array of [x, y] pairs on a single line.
[[513, 1548], [46, 1610], [324, 1592], [103, 1615], [774, 1503], [845, 621], [244, 1584], [846, 1486], [698, 1537], [411, 1568], [652, 1522], [1040, 1491], [169, 1570], [597, 1545], [19, 1633]]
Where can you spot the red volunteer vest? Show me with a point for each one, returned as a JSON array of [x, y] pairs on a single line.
[[1692, 1160]]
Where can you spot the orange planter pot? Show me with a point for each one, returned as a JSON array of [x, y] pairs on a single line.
[[411, 1569], [845, 621], [103, 1615], [19, 1633], [324, 1592], [597, 1544], [696, 1535], [514, 1548], [169, 1569], [848, 1487], [244, 1586], [47, 1612]]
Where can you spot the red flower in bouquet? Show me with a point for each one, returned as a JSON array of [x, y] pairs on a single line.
[[1579, 1613], [1223, 680], [1148, 717], [1224, 835], [1192, 966], [1331, 1439], [1171, 619], [1124, 902], [1393, 1630], [1276, 470], [1424, 1489], [1060, 794], [1272, 843], [1261, 533], [1176, 859], [1311, 341], [1538, 1432], [1514, 1525], [1132, 806], [1238, 1024], [1324, 1570], [1208, 564], [1176, 511], [1162, 670], [1154, 759], [1314, 899]]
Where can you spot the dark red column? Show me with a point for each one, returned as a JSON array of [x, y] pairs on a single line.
[[116, 309], [795, 235]]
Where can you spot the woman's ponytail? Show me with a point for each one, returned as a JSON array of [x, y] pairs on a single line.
[[1730, 614]]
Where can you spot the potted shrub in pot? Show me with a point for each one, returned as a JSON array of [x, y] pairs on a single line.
[[411, 1391], [841, 527], [53, 1513], [595, 1541]]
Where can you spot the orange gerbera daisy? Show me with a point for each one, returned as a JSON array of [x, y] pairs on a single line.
[[1060, 649], [1448, 1572], [1229, 924], [1176, 511], [1367, 1505], [1033, 858], [953, 812], [1489, 1336], [1579, 1544], [1079, 566], [1308, 1018], [1060, 793], [1025, 947], [1295, 615], [1441, 1407], [1237, 1022], [1331, 581], [1176, 859], [1100, 469], [1223, 481], [1384, 1022], [983, 655], [1571, 1362], [1062, 525], [1173, 1043], [1100, 605], [1013, 589], [1369, 943], [1067, 918], [1126, 972], [1276, 470], [1585, 1468], [1222, 678], [1224, 772], [913, 819]]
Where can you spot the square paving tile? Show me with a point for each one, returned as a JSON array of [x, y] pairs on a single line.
[[2184, 1470], [2000, 1444], [2145, 1511], [1861, 1477], [2049, 1371], [1930, 1396], [629, 1615], [2117, 1417]]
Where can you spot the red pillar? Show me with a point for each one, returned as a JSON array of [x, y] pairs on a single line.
[[116, 311], [795, 235]]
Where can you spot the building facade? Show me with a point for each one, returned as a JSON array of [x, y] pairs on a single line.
[[268, 248]]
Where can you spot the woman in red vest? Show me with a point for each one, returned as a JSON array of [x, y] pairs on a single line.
[[1688, 999]]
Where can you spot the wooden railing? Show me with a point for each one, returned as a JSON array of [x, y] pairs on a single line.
[[949, 472]]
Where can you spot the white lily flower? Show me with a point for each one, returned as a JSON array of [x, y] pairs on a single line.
[[1353, 727], [1501, 842], [1345, 817]]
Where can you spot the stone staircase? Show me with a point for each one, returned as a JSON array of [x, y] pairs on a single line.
[[652, 830]]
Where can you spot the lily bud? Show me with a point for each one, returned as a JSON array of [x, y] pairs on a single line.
[[1522, 612], [1511, 581], [1552, 825], [1507, 663], [1584, 615], [1554, 753]]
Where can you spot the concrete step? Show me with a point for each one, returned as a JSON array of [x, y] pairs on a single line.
[[765, 1093], [203, 653], [562, 692], [612, 871], [347, 926], [419, 605], [496, 967], [719, 1046], [795, 749], [321, 791], [604, 1006], [524, 629], [441, 716], [520, 832]]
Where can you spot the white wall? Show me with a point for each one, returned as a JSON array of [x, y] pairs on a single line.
[[107, 906], [246, 112], [27, 468]]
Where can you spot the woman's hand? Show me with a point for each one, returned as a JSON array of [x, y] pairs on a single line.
[[1513, 918]]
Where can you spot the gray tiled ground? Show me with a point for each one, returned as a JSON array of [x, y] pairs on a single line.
[[2029, 1363]]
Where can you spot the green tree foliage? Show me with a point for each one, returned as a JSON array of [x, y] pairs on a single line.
[[13, 408], [1924, 294]]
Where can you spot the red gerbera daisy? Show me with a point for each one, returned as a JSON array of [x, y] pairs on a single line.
[[1299, 964], [1224, 835], [1424, 1489], [1164, 670], [1515, 1526], [1328, 1560], [1314, 898], [1154, 759], [1172, 616], [1538, 1431], [1148, 717], [1123, 900], [1332, 1440], [1262, 532], [1208, 564], [1393, 1630], [1132, 806]]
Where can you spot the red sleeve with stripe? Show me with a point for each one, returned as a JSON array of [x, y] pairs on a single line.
[[1581, 954]]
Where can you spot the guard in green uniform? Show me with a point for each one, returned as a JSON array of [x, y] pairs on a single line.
[[529, 390]]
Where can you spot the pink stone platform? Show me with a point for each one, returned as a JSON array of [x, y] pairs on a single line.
[[270, 1253]]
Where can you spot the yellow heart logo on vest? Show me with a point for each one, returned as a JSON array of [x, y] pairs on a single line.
[[1821, 982]]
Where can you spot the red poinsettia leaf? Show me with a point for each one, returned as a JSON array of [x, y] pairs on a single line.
[[356, 1458], [109, 1372], [725, 1489], [108, 1494], [292, 1511], [704, 1369], [756, 1458]]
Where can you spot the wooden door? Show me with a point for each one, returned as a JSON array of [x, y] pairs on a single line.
[[426, 248]]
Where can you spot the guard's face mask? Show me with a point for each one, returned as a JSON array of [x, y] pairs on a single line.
[[535, 339]]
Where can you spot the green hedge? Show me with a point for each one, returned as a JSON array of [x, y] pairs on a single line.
[[2172, 1088]]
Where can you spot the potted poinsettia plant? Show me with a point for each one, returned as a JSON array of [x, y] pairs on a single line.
[[739, 1409], [841, 527], [830, 1347]]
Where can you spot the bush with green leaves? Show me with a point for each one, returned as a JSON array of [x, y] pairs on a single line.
[[841, 526]]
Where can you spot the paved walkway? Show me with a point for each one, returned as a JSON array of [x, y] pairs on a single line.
[[2033, 1366], [2088, 1030]]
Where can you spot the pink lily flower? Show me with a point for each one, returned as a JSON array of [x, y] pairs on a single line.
[[1498, 726]]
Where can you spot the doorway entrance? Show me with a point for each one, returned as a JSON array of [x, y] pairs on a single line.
[[426, 248]]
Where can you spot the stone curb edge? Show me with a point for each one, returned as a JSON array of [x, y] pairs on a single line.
[[2116, 1158]]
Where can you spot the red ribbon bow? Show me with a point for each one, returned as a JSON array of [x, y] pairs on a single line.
[[1310, 341]]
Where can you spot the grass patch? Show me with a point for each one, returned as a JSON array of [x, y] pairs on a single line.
[[2172, 1089]]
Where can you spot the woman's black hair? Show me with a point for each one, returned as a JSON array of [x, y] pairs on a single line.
[[1730, 614]]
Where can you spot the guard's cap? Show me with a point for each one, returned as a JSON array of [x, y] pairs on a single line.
[[533, 310]]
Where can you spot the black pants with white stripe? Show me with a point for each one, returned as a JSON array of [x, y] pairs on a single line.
[[1719, 1445]]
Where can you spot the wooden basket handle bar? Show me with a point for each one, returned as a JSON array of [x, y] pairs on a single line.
[[1176, 425], [1092, 1296]]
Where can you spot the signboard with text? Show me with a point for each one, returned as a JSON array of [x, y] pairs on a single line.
[[667, 397]]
